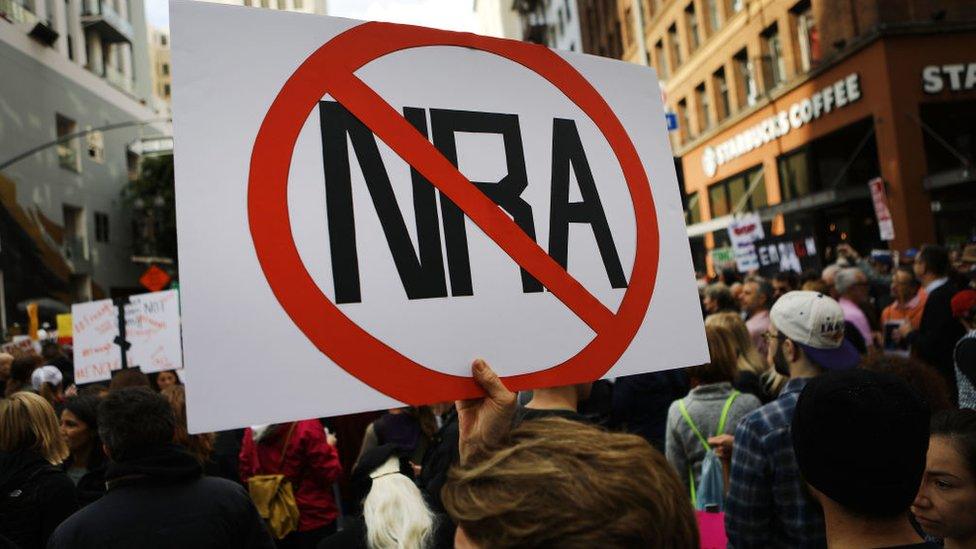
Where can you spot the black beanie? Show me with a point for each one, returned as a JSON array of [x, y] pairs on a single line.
[[861, 439]]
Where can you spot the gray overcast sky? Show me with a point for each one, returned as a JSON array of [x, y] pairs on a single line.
[[444, 14]]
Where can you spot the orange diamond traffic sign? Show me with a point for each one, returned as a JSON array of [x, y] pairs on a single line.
[[154, 279]]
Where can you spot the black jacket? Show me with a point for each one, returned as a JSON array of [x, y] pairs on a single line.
[[161, 500], [641, 402], [938, 333], [35, 497], [92, 484], [440, 456]]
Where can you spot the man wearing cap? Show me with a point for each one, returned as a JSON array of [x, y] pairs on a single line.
[[860, 440], [767, 504], [964, 355]]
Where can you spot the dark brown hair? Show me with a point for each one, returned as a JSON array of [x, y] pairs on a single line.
[[931, 386], [20, 372], [201, 445], [724, 359], [558, 483], [128, 377]]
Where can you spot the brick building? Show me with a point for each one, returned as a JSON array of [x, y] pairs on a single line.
[[789, 107]]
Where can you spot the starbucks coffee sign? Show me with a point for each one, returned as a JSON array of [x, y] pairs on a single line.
[[835, 96]]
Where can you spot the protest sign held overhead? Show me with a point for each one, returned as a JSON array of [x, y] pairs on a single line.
[[152, 327], [376, 205], [95, 330]]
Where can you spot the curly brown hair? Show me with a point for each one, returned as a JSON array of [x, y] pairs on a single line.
[[558, 483]]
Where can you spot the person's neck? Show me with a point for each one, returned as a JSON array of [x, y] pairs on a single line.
[[803, 368], [555, 398], [929, 278], [756, 311], [847, 531], [82, 457]]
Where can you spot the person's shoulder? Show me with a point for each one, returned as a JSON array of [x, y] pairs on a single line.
[[220, 485], [81, 523], [747, 401]]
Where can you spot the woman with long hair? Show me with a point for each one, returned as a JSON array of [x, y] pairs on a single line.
[[86, 463], [753, 376], [712, 408], [35, 494], [201, 445]]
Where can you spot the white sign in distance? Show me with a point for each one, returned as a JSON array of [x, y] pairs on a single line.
[[95, 328], [152, 327], [352, 281]]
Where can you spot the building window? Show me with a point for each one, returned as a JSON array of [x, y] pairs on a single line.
[[845, 158], [675, 46], [713, 20], [628, 26], [68, 151], [738, 5], [163, 40], [692, 210], [96, 146], [299, 4], [745, 79], [808, 39], [722, 89], [101, 227], [744, 191], [166, 90], [694, 33], [662, 59], [774, 66], [281, 4], [704, 107], [265, 3], [165, 69], [684, 128]]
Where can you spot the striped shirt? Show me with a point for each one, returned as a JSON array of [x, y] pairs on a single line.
[[768, 504]]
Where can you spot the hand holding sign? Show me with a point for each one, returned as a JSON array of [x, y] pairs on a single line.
[[486, 420]]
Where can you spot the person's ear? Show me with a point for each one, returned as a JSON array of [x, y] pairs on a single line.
[[790, 350], [106, 450]]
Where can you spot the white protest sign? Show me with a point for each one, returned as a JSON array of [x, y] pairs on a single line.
[[152, 327], [879, 197], [743, 231], [95, 327], [452, 197]]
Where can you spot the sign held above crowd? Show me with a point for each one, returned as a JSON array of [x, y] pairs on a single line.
[[415, 199]]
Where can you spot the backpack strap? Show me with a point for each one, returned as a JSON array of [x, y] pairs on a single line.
[[684, 412], [725, 412], [284, 449]]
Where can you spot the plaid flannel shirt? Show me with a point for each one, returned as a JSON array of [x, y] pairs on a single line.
[[768, 504]]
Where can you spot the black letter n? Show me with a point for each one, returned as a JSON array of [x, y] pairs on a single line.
[[421, 276]]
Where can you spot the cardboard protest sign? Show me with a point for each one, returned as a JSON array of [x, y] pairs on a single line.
[[743, 231], [19, 345], [64, 328], [783, 254], [152, 327], [95, 328], [367, 207]]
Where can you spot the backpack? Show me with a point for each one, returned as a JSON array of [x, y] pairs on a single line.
[[710, 493], [274, 498]]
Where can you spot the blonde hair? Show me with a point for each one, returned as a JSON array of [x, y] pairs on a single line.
[[558, 483], [749, 359], [27, 422], [201, 445], [722, 358], [396, 515]]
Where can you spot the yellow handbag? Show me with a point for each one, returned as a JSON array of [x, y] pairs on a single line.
[[274, 498]]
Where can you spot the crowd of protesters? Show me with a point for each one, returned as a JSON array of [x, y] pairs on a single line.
[[836, 411]]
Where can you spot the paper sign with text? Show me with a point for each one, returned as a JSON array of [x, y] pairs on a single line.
[[152, 327], [365, 208], [95, 328]]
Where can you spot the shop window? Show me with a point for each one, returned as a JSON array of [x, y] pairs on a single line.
[[721, 86], [845, 158], [743, 192], [675, 44], [662, 59], [807, 37], [694, 32], [714, 22], [773, 64], [704, 107], [949, 135], [68, 151], [692, 209]]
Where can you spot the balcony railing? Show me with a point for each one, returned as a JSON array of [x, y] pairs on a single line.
[[99, 15], [16, 13]]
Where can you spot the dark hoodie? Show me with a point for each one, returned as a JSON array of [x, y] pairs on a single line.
[[159, 498], [35, 497]]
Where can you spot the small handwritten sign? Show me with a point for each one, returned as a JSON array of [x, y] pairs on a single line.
[[152, 326], [95, 327]]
